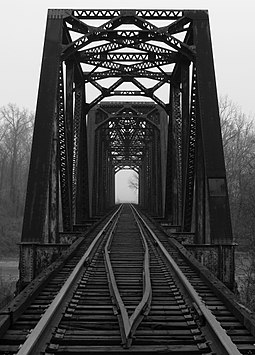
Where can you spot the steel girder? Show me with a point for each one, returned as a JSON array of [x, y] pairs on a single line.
[[139, 58], [128, 134]]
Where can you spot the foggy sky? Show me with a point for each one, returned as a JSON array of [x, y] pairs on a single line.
[[22, 28]]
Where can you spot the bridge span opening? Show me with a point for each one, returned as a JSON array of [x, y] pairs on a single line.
[[126, 186], [138, 90]]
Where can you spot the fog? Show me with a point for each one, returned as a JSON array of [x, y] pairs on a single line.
[[123, 193]]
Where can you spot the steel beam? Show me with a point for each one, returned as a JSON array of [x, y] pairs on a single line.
[[172, 190], [52, 234], [78, 146], [215, 174], [82, 193], [38, 179]]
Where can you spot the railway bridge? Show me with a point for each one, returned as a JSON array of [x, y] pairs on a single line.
[[127, 89]]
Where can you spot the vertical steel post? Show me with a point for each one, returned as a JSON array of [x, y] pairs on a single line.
[[38, 179], [69, 118], [91, 157], [95, 179], [172, 198], [53, 218], [159, 173], [163, 153], [82, 194], [219, 223], [190, 165], [185, 97], [201, 213], [152, 177], [141, 185], [102, 176]]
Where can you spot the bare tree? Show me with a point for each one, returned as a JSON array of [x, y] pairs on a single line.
[[15, 132], [133, 182], [239, 148], [238, 133]]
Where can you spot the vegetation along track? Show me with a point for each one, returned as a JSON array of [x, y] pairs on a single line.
[[125, 288]]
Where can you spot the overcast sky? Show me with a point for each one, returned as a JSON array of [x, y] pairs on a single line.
[[22, 28]]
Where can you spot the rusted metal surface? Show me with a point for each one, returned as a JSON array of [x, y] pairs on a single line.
[[41, 332], [219, 259], [125, 134], [129, 324], [224, 344], [79, 146], [38, 180], [182, 237], [35, 257], [180, 154], [69, 238]]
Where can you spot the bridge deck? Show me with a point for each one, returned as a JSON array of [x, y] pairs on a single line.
[[90, 318]]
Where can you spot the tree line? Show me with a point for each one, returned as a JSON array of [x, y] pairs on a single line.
[[16, 126], [238, 136], [238, 133]]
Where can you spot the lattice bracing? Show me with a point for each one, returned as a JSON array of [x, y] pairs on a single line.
[[63, 155], [189, 183], [109, 14], [157, 66], [127, 53], [127, 134]]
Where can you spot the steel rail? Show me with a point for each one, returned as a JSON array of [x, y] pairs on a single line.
[[34, 340], [144, 306], [218, 333], [128, 325], [123, 318]]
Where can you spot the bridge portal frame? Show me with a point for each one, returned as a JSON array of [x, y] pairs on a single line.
[[196, 197]]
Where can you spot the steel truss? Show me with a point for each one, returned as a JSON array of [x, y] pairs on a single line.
[[125, 133], [172, 140]]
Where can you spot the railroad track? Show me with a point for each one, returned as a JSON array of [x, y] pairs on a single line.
[[125, 288]]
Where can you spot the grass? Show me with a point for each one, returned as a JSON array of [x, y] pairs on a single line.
[[10, 235], [7, 290]]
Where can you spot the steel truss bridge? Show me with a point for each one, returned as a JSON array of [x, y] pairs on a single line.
[[127, 89]]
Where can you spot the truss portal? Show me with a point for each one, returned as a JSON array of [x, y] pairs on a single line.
[[127, 88]]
